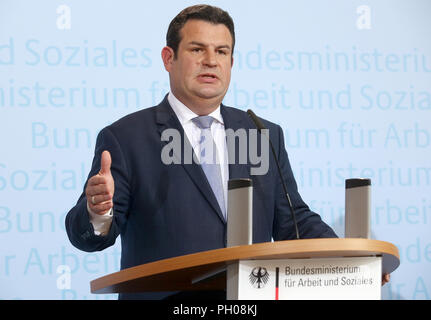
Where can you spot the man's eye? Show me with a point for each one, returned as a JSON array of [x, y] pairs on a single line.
[[196, 49], [222, 52]]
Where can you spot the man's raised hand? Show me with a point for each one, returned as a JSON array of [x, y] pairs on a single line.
[[100, 187]]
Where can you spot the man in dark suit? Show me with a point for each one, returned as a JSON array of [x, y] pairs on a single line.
[[164, 210]]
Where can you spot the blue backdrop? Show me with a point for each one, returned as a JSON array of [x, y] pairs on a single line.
[[349, 82]]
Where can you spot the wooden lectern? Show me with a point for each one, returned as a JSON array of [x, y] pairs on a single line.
[[206, 270]]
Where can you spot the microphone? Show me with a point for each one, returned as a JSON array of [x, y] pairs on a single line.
[[260, 127]]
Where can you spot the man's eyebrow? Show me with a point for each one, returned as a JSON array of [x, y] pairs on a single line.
[[225, 46], [200, 44]]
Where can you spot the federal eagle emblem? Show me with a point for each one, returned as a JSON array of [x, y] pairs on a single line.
[[258, 277]]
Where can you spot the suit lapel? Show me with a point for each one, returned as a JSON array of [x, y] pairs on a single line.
[[166, 119], [234, 121]]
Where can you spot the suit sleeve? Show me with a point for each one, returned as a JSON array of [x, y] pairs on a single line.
[[78, 226], [310, 224]]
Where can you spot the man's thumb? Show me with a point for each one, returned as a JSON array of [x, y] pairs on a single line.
[[105, 163]]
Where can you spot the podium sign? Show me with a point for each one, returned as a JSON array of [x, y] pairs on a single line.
[[309, 279]]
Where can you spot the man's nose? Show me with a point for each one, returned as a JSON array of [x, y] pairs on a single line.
[[210, 58]]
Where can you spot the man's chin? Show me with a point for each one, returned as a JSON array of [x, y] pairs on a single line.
[[210, 94]]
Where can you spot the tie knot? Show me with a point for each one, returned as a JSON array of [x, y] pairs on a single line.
[[203, 122]]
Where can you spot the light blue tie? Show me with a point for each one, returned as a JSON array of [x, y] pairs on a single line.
[[209, 160]]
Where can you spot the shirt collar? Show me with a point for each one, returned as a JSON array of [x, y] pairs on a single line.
[[185, 115]]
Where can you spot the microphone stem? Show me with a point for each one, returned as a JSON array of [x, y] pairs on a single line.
[[285, 191], [260, 126]]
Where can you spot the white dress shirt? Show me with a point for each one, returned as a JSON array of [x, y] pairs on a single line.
[[102, 223]]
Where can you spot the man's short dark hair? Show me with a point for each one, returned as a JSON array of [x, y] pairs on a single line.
[[202, 12]]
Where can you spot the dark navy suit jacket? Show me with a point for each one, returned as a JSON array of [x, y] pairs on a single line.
[[162, 211]]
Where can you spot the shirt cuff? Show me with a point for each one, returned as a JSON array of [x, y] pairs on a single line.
[[101, 223]]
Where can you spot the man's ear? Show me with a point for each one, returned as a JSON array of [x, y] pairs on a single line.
[[167, 57]]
